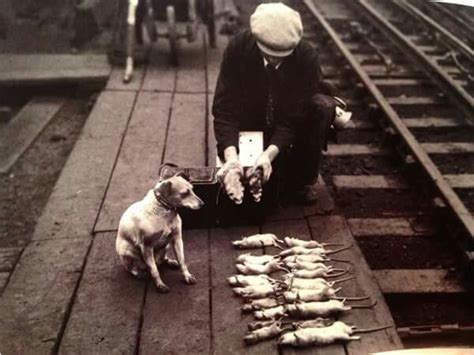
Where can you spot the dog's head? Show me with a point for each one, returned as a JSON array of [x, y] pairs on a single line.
[[179, 192]]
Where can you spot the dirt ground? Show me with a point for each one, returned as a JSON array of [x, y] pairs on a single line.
[[47, 26], [25, 189]]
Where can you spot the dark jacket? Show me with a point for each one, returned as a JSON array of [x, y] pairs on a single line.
[[241, 94]]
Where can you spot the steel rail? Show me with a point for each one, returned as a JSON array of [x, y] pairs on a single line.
[[462, 26], [448, 36], [450, 198], [462, 98]]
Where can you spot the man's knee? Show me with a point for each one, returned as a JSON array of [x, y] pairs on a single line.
[[323, 104]]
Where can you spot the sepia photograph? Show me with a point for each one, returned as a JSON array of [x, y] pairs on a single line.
[[237, 177]]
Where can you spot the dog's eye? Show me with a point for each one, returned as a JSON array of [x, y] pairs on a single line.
[[185, 193]]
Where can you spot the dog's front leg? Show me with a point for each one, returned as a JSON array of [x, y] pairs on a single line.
[[179, 252], [149, 257]]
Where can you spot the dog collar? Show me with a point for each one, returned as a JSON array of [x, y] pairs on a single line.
[[164, 202]]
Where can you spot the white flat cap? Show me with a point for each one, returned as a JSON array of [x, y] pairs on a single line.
[[277, 28]]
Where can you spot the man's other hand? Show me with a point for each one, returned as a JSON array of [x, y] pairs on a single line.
[[265, 164], [230, 176]]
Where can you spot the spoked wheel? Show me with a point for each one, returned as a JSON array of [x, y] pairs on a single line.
[[172, 34]]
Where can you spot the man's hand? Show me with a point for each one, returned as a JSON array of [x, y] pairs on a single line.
[[264, 164], [230, 176]]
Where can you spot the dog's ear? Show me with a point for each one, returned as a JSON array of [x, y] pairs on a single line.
[[165, 188], [183, 175]]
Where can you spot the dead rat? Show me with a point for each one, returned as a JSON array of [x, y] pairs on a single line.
[[293, 282], [324, 336], [255, 259], [256, 291], [248, 280], [257, 269], [269, 330], [295, 242], [257, 241], [259, 304], [298, 250], [312, 258], [323, 293], [270, 313], [320, 309]]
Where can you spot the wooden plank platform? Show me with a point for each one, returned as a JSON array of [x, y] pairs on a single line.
[[334, 229], [21, 131], [228, 325], [36, 302], [107, 308], [41, 69], [139, 158], [179, 322], [8, 257], [83, 301]]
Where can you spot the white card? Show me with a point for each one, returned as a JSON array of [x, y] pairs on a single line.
[[250, 146]]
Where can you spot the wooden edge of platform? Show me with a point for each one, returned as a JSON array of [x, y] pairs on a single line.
[[334, 229]]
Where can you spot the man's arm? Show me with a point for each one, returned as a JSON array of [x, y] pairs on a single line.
[[225, 107]]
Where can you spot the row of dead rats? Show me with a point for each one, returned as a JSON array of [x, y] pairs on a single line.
[[299, 308]]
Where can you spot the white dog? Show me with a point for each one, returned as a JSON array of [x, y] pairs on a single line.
[[148, 227]]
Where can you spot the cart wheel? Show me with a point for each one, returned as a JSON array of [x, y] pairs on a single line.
[[172, 34], [211, 24]]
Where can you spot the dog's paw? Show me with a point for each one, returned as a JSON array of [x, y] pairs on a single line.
[[171, 263], [189, 279], [162, 288]]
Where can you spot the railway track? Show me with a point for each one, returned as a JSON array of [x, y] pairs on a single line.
[[402, 173]]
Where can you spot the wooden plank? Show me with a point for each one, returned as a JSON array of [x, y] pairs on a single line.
[[364, 227], [399, 82], [39, 294], [287, 212], [3, 280], [8, 257], [380, 70], [298, 229], [35, 301], [324, 203], [115, 81], [179, 322], [354, 149], [433, 122], [192, 66], [358, 124], [448, 148], [100, 322], [404, 101], [418, 281], [140, 156], [40, 69], [74, 204], [214, 58], [186, 142], [334, 229], [369, 182], [229, 326], [160, 74], [21, 131], [460, 181]]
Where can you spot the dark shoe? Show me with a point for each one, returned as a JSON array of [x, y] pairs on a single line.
[[308, 194]]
